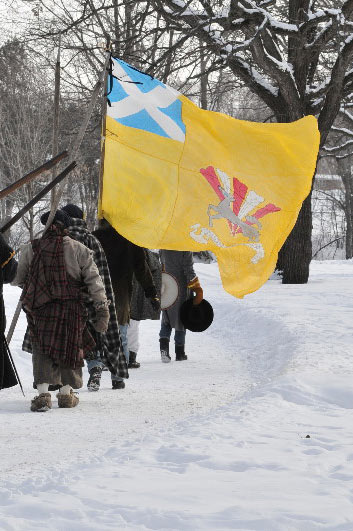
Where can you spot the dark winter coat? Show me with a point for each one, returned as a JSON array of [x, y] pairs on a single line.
[[141, 307], [8, 267], [180, 265], [124, 259]]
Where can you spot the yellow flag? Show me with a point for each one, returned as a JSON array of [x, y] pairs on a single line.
[[179, 177]]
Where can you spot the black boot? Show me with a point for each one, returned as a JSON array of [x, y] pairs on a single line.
[[118, 384], [164, 346], [133, 364], [180, 353]]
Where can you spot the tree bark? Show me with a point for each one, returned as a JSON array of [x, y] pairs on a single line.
[[295, 256], [344, 167]]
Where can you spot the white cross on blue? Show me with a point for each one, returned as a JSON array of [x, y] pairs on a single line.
[[142, 102]]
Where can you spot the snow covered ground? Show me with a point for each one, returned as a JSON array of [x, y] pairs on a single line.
[[216, 442]]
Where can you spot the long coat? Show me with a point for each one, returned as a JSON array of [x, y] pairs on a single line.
[[180, 265], [141, 307], [8, 267], [124, 259]]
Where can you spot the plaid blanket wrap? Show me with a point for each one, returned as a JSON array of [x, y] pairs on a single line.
[[53, 303], [108, 345]]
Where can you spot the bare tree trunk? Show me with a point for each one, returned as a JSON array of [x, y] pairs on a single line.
[[203, 79], [116, 45], [168, 65], [295, 256], [344, 168], [55, 143]]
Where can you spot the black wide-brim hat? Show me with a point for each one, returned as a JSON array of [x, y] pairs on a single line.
[[196, 318]]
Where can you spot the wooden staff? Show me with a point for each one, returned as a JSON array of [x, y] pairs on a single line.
[[32, 174], [38, 197]]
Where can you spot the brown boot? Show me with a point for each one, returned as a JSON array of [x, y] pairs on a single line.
[[70, 400], [41, 402]]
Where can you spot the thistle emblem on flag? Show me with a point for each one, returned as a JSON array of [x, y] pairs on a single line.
[[239, 209]]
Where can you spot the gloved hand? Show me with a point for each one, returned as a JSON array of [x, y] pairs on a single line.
[[101, 321], [195, 286], [155, 303]]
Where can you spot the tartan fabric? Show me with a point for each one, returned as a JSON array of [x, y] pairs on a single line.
[[108, 345], [53, 304]]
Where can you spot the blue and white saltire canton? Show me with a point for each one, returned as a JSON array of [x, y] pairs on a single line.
[[138, 100]]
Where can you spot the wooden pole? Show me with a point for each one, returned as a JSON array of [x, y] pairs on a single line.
[[33, 174], [38, 197], [14, 322], [104, 121]]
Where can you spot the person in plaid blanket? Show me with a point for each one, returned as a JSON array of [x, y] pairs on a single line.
[[54, 271], [108, 350]]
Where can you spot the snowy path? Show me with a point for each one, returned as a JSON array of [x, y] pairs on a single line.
[[157, 395], [217, 442]]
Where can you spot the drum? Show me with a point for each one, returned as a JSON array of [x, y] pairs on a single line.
[[169, 290]]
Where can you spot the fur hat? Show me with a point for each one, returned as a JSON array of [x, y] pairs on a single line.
[[196, 318], [60, 217], [73, 211]]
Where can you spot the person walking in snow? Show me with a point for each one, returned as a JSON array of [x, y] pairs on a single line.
[[125, 259], [8, 267], [108, 350], [180, 265], [54, 271], [141, 307]]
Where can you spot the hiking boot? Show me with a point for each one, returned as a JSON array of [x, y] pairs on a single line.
[[133, 364], [41, 402], [70, 400], [94, 380], [164, 347], [118, 384], [180, 353]]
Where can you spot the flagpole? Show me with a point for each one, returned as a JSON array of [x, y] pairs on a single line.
[[103, 137], [32, 175]]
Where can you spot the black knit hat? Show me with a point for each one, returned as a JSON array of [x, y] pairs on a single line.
[[60, 216], [73, 211]]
